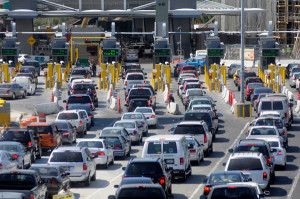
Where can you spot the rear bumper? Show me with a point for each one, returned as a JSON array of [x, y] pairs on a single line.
[[178, 172], [78, 177], [101, 160], [119, 153]]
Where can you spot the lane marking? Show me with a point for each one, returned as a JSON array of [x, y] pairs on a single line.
[[220, 160], [110, 182], [294, 185]]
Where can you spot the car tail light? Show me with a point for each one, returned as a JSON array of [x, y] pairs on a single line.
[[153, 116], [7, 92], [162, 180], [294, 78], [144, 82], [99, 153], [91, 105], [148, 103], [84, 167], [151, 99], [268, 160], [66, 133], [54, 182], [248, 91], [206, 190], [205, 138], [279, 152], [126, 92], [67, 106], [181, 161], [118, 147], [80, 123], [134, 132], [177, 69], [186, 97], [126, 99], [31, 196], [1, 166], [126, 83], [283, 132], [52, 140], [265, 175], [239, 80], [28, 86], [187, 102], [91, 115], [29, 143], [123, 177], [258, 114], [15, 156], [285, 114], [136, 55], [192, 151]]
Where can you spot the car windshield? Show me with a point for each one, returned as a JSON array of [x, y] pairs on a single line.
[[132, 116], [244, 164], [201, 108], [255, 85], [143, 110], [111, 132], [67, 116], [46, 171], [263, 90], [192, 86], [143, 92], [273, 144], [125, 124], [90, 144], [295, 69], [189, 129], [195, 92], [143, 169], [234, 192], [41, 129], [138, 193], [270, 122], [197, 117], [135, 77], [20, 136], [252, 80], [263, 131], [224, 178], [112, 141], [5, 85], [84, 87], [9, 148], [17, 181], [66, 156], [79, 100], [200, 102]]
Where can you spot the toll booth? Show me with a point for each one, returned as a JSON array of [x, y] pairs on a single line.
[[162, 51], [60, 50], [215, 51], [111, 50], [10, 51], [269, 50]]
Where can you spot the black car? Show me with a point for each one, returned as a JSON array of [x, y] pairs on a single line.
[[223, 177], [133, 180], [80, 72], [156, 169], [68, 131], [27, 138]]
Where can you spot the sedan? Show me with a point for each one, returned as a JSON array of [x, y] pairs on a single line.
[[8, 161], [139, 118], [132, 127], [294, 79], [12, 90], [102, 152], [132, 55], [116, 131], [196, 150], [149, 114], [68, 131], [120, 146], [56, 178], [17, 151]]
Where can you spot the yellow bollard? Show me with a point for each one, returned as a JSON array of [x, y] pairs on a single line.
[[282, 73], [50, 75], [103, 75]]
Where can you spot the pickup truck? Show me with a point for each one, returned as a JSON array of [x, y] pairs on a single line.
[[145, 93], [27, 182]]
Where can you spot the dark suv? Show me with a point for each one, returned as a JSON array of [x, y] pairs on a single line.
[[256, 145], [27, 137], [156, 169], [140, 102], [83, 101], [81, 88]]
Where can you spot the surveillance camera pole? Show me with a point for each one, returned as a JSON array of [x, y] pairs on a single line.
[[242, 52]]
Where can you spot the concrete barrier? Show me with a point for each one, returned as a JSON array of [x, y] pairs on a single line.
[[297, 109], [173, 108], [233, 107], [165, 94], [113, 103], [290, 95], [227, 96], [47, 108], [224, 92]]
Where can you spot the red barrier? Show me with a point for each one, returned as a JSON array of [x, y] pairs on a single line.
[[119, 105], [231, 97]]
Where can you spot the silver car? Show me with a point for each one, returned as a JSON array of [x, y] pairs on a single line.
[[8, 161], [77, 160], [196, 150], [139, 117], [119, 144], [149, 114], [18, 152], [100, 149], [133, 128], [293, 79], [12, 91], [116, 131]]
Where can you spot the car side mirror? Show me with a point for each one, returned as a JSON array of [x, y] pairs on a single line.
[[116, 186], [224, 164], [230, 150], [125, 104], [64, 101], [123, 168], [111, 197], [266, 192]]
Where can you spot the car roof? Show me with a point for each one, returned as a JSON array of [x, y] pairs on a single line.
[[21, 171], [237, 184], [90, 140], [68, 148], [137, 180], [247, 141], [39, 124], [263, 127], [271, 139], [144, 160], [191, 122], [69, 111], [123, 121], [134, 186], [9, 143], [120, 128], [245, 154], [164, 137]]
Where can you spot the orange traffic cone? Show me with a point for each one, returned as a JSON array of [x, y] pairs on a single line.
[[52, 97], [119, 110]]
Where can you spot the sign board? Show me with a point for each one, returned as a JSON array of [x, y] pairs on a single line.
[[49, 35], [31, 41], [6, 51], [270, 52], [218, 52], [60, 52], [110, 52], [248, 54], [162, 52]]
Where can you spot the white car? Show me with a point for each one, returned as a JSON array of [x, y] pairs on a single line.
[[27, 83], [196, 149], [139, 117], [202, 107], [263, 132], [269, 114], [133, 128], [86, 116], [149, 114], [102, 152], [8, 161], [294, 79]]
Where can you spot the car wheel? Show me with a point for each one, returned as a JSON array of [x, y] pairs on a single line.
[[183, 177], [13, 96], [189, 169], [239, 88], [128, 154], [87, 182], [198, 161], [22, 166], [33, 158], [94, 176], [272, 177], [211, 148], [29, 164], [85, 131]]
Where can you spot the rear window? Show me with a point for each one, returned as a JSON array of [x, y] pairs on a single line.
[[137, 193], [189, 129], [224, 178], [132, 116], [263, 90], [189, 68], [154, 148], [111, 132], [234, 192], [273, 144], [125, 124], [84, 87], [169, 147], [5, 85], [79, 100], [266, 106], [90, 144], [263, 131], [17, 181], [15, 136], [61, 126], [197, 117], [45, 172], [252, 148], [245, 164], [143, 110], [270, 122], [200, 102], [192, 86], [41, 129], [249, 74], [139, 103], [255, 85], [195, 92], [140, 92], [68, 116], [135, 77], [66, 156], [277, 106], [79, 72], [295, 70], [254, 80], [112, 141], [143, 169], [9, 148], [201, 108]]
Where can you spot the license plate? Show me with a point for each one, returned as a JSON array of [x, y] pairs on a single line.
[[169, 161]]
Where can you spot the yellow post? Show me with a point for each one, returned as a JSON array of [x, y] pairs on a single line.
[[223, 72], [59, 74], [100, 54], [71, 50], [65, 75], [157, 75], [282, 73], [272, 77], [50, 74], [103, 75], [13, 73], [168, 74], [6, 74]]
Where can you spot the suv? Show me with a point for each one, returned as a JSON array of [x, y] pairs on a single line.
[[199, 130], [208, 116], [76, 118], [156, 169], [81, 88], [27, 137], [134, 78], [139, 102], [77, 160], [252, 165], [35, 64], [82, 100], [250, 88], [246, 75], [141, 93], [256, 145]]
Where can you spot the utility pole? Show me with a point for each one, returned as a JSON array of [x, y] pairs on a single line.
[[242, 51]]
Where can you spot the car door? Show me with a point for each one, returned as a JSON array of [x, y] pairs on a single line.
[[72, 130], [90, 161], [16, 90], [10, 163], [81, 116]]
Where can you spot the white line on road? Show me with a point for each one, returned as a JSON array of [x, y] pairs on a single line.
[[110, 182], [217, 164], [294, 185]]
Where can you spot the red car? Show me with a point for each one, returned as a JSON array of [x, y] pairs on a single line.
[[189, 69], [250, 88]]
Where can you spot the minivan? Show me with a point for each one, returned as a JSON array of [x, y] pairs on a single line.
[[173, 149]]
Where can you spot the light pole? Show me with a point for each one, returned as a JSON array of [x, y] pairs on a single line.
[[242, 86], [179, 28]]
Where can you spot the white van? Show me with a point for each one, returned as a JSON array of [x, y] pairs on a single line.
[[173, 149]]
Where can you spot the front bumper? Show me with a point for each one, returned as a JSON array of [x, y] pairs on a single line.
[[178, 172]]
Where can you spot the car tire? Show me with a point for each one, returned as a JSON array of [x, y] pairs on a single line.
[[183, 179], [239, 88], [94, 176], [198, 161], [13, 97], [87, 182], [85, 132], [22, 166], [211, 150], [32, 158], [272, 180], [190, 168], [28, 165]]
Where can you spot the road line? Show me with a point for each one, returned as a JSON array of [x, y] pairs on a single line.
[[294, 184], [110, 182], [220, 160]]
